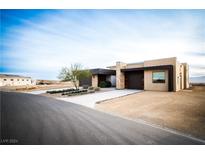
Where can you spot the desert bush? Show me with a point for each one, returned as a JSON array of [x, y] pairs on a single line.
[[59, 91], [104, 84]]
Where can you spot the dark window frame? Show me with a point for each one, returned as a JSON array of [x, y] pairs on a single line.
[[159, 81]]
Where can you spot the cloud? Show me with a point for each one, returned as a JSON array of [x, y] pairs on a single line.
[[202, 53], [99, 38]]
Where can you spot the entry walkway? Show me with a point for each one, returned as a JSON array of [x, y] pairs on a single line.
[[89, 100]]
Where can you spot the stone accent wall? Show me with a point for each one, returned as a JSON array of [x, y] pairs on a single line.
[[120, 77], [94, 80]]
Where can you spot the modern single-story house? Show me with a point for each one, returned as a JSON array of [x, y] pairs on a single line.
[[15, 80], [166, 74]]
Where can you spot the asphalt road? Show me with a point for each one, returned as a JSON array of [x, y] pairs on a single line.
[[32, 119]]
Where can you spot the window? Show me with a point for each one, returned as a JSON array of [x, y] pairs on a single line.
[[158, 77], [22, 79], [17, 79], [4, 79], [12, 79], [27, 79]]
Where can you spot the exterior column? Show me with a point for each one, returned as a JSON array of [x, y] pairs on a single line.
[[120, 77], [94, 80]]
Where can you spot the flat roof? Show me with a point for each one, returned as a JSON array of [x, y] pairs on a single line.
[[147, 68], [142, 62], [102, 71], [12, 76]]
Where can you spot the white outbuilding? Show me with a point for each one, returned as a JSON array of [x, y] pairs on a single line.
[[15, 80]]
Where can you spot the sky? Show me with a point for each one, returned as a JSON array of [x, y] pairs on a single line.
[[38, 43]]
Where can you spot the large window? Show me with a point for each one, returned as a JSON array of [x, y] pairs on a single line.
[[158, 77]]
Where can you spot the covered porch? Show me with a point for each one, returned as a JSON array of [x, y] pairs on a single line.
[[103, 75]]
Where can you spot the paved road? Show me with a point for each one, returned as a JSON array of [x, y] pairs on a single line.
[[33, 119], [89, 100]]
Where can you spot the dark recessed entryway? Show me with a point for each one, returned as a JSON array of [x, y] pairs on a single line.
[[134, 80], [101, 78]]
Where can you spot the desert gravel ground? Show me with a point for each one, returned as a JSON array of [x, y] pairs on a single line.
[[183, 111]]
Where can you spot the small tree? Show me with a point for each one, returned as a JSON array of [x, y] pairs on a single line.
[[74, 74]]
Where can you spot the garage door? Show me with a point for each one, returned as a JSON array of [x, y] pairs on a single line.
[[134, 80]]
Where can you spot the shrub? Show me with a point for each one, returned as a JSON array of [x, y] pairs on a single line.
[[59, 91], [75, 92], [108, 84], [104, 84]]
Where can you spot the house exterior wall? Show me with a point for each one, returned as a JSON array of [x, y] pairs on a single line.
[[186, 75], [180, 74], [94, 80], [164, 61], [135, 65], [120, 76], [177, 76], [149, 85], [16, 81]]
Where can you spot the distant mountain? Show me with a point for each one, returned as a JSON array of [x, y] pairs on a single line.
[[200, 79]]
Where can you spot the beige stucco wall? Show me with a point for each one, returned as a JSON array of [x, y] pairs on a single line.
[[186, 75], [94, 80], [165, 61], [120, 77], [17, 81], [177, 76], [148, 85], [181, 76], [135, 65]]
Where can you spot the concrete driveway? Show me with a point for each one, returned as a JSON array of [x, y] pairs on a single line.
[[90, 100]]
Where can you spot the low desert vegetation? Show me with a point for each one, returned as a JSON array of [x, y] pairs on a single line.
[[73, 92], [105, 84]]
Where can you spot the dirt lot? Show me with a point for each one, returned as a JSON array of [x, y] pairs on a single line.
[[183, 111], [37, 87]]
